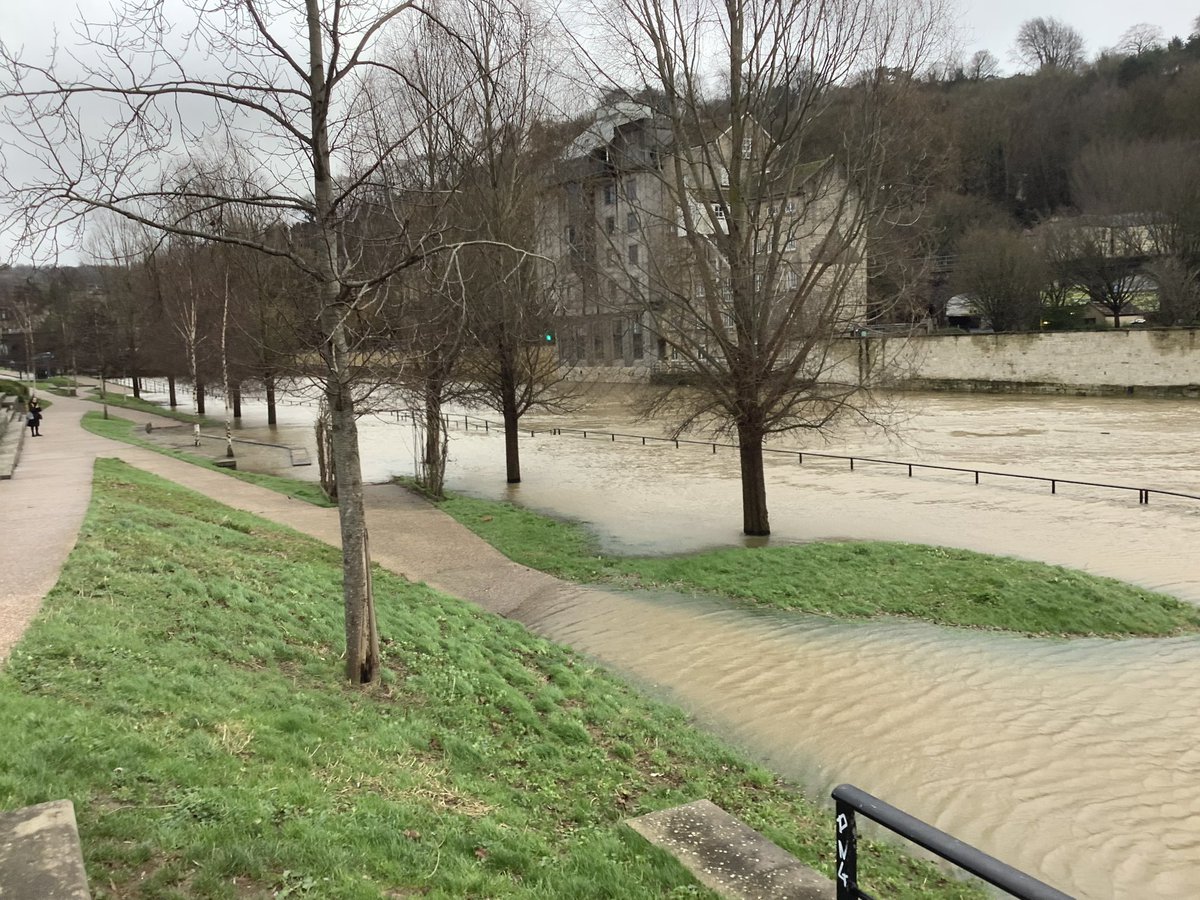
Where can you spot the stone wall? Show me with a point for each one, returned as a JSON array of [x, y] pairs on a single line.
[[1138, 361], [1149, 362]]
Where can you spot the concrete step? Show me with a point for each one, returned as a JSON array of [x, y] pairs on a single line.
[[730, 857], [11, 439], [40, 857]]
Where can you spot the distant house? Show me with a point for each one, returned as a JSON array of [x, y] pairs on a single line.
[[961, 313], [1141, 293]]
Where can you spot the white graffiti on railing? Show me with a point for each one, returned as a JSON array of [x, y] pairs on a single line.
[[843, 849]]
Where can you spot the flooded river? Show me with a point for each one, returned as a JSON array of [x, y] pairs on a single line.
[[1076, 761]]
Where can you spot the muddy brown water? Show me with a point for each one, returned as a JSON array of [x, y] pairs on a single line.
[[1076, 761]]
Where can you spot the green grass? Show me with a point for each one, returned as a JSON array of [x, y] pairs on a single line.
[[182, 686], [119, 429], [849, 579], [17, 388], [125, 401]]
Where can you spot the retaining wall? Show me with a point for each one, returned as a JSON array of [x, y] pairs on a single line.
[[1141, 361]]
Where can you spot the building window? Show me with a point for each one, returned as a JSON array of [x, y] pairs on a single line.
[[793, 279], [633, 254], [610, 194], [790, 208], [598, 347], [610, 225], [631, 221], [790, 246], [638, 340], [631, 189], [612, 256], [747, 148], [570, 234], [618, 338]]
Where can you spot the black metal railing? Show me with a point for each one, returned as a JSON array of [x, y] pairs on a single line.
[[850, 800], [1143, 493]]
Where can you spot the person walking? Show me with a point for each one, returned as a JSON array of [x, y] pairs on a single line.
[[35, 417]]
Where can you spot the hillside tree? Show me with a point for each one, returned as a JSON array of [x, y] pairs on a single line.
[[1048, 43]]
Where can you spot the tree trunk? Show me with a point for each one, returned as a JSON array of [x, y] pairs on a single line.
[[236, 391], [754, 484], [362, 636], [325, 469], [269, 382], [137, 385], [173, 400], [512, 449], [199, 397], [435, 442]]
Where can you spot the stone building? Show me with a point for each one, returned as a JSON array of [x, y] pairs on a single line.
[[615, 233]]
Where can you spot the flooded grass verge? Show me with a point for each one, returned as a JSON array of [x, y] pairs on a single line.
[[182, 686], [118, 429], [852, 579]]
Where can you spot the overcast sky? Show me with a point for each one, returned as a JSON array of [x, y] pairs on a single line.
[[982, 25], [992, 24]]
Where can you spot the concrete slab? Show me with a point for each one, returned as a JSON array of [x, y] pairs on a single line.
[[11, 440], [730, 857], [40, 857]]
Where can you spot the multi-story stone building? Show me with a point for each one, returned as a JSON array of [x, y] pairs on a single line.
[[616, 231]]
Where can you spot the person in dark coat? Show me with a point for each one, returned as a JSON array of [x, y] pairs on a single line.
[[35, 417]]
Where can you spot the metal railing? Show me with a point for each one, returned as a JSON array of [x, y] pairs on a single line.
[[850, 800], [1143, 493]]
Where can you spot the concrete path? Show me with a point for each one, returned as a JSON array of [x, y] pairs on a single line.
[[44, 504]]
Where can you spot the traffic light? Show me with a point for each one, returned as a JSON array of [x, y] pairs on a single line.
[[549, 337]]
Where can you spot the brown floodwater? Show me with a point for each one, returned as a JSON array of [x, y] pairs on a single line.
[[1076, 761]]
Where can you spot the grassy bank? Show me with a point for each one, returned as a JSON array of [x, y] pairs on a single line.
[[123, 430], [182, 686], [849, 579], [127, 401]]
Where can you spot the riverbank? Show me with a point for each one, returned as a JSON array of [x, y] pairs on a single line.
[[852, 580], [182, 687]]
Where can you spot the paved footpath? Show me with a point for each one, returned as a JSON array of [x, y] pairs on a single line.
[[44, 504]]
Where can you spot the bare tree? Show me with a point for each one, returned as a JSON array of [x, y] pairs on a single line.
[[982, 65], [510, 302], [272, 83], [1178, 291], [1139, 39], [1098, 258], [1048, 43], [1003, 274], [752, 202]]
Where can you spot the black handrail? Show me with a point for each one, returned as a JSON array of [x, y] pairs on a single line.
[[849, 800], [1142, 492]]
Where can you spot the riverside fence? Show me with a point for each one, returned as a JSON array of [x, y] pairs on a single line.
[[469, 422], [849, 800]]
